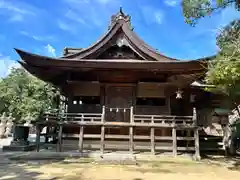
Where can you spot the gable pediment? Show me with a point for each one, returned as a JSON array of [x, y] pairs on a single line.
[[122, 52]]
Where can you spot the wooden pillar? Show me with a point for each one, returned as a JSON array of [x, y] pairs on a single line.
[[197, 151], [174, 140], [38, 137], [80, 140], [152, 140], [188, 135], [196, 135], [131, 148], [102, 139], [102, 143], [59, 147]]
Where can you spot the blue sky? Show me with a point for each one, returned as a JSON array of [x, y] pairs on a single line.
[[47, 26]]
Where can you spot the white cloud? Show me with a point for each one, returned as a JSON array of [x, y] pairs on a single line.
[[66, 26], [106, 1], [16, 17], [86, 12], [75, 17], [6, 64], [159, 17], [37, 38], [171, 3], [152, 15], [16, 11], [51, 50]]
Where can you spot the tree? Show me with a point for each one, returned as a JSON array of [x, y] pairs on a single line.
[[224, 70], [23, 94], [193, 10]]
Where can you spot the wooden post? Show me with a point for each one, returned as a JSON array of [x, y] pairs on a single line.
[[80, 140], [131, 144], [196, 135], [188, 135], [152, 135], [38, 137], [102, 139], [102, 143], [197, 151], [59, 147], [174, 139], [152, 140]]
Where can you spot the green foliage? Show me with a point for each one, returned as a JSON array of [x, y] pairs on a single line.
[[229, 34], [196, 9], [23, 94], [224, 70]]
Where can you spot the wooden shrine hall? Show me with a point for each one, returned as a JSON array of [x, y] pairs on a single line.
[[121, 94]]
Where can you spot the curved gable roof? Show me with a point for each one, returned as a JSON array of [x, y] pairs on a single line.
[[120, 22]]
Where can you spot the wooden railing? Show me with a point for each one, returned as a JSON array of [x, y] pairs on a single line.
[[82, 120], [71, 117], [133, 119], [163, 119]]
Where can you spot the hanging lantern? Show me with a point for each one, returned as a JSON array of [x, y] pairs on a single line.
[[179, 94], [192, 98]]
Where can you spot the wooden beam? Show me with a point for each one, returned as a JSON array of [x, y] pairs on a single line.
[[126, 137], [121, 124]]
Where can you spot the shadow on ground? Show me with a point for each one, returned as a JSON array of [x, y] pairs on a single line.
[[231, 162], [18, 167]]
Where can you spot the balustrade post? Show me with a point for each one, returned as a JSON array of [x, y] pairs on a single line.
[[103, 114]]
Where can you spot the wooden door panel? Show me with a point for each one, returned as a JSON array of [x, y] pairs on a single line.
[[119, 99], [119, 96]]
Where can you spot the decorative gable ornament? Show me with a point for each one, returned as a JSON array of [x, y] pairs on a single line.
[[120, 16], [179, 94], [121, 42]]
